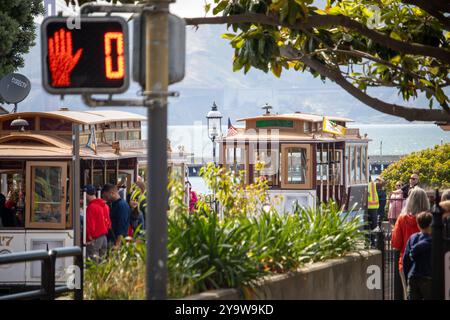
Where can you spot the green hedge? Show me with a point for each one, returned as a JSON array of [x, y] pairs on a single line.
[[432, 165]]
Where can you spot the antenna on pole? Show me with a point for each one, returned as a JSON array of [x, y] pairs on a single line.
[[267, 107]]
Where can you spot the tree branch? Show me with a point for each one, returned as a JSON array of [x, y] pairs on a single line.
[[433, 9], [410, 114], [365, 55], [330, 20]]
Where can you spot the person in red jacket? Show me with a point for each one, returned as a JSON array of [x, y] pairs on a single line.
[[98, 223], [406, 225]]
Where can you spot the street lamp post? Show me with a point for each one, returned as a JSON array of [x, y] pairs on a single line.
[[214, 122]]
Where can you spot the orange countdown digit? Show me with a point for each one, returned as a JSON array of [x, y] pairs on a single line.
[[119, 73]]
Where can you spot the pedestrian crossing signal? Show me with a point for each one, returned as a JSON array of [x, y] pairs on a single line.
[[92, 58]]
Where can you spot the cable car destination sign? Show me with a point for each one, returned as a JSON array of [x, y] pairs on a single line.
[[90, 59]]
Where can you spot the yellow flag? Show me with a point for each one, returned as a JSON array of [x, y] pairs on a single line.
[[332, 127], [92, 141]]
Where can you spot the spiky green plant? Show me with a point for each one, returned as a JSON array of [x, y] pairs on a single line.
[[205, 252]]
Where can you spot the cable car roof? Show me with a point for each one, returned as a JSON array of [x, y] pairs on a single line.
[[296, 116], [26, 145], [81, 117]]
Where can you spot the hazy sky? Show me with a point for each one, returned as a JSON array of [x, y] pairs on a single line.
[[188, 8], [195, 8]]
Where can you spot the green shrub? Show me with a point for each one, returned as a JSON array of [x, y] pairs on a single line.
[[432, 165], [120, 276], [205, 252], [328, 232], [235, 197]]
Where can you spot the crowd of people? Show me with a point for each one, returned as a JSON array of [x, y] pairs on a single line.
[[410, 216], [110, 218]]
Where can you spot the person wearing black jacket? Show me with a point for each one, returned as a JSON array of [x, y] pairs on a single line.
[[417, 260], [413, 182], [7, 218]]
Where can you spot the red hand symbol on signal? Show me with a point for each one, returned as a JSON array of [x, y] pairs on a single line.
[[61, 59]]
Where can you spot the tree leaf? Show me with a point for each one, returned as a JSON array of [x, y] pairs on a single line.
[[229, 36], [220, 7], [276, 69], [284, 11], [440, 95], [395, 35]]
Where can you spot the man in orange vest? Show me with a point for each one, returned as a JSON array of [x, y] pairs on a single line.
[[373, 204]]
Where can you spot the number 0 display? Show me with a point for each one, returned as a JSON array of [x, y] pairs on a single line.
[[90, 59], [119, 71]]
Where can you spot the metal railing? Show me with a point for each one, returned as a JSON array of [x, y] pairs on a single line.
[[381, 237], [48, 290]]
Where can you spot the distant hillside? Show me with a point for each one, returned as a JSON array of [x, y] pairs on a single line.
[[209, 78]]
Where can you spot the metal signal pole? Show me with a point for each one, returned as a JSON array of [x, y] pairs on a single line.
[[156, 85]]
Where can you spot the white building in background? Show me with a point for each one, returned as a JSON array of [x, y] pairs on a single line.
[[52, 7]]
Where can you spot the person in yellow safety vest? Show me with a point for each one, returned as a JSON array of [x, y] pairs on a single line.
[[373, 204]]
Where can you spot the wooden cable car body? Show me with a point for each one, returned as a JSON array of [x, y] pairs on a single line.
[[35, 172], [302, 163]]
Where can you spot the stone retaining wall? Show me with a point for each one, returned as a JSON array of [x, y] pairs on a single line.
[[337, 279]]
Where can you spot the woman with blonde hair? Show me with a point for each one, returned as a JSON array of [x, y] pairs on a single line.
[[406, 224]]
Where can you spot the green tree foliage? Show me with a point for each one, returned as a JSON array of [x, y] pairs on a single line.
[[236, 197], [432, 165], [359, 44], [17, 32]]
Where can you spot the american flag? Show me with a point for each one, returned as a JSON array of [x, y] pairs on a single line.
[[231, 130]]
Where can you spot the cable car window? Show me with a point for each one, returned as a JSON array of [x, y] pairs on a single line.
[[109, 136], [318, 166], [69, 221], [266, 164], [358, 163], [335, 174], [352, 157], [364, 163], [47, 193], [235, 158], [98, 178], [322, 164], [296, 166], [52, 124], [306, 127], [99, 136], [121, 135], [84, 139], [12, 200], [347, 164], [134, 135]]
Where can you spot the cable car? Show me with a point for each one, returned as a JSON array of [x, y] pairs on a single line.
[[36, 152], [306, 158]]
